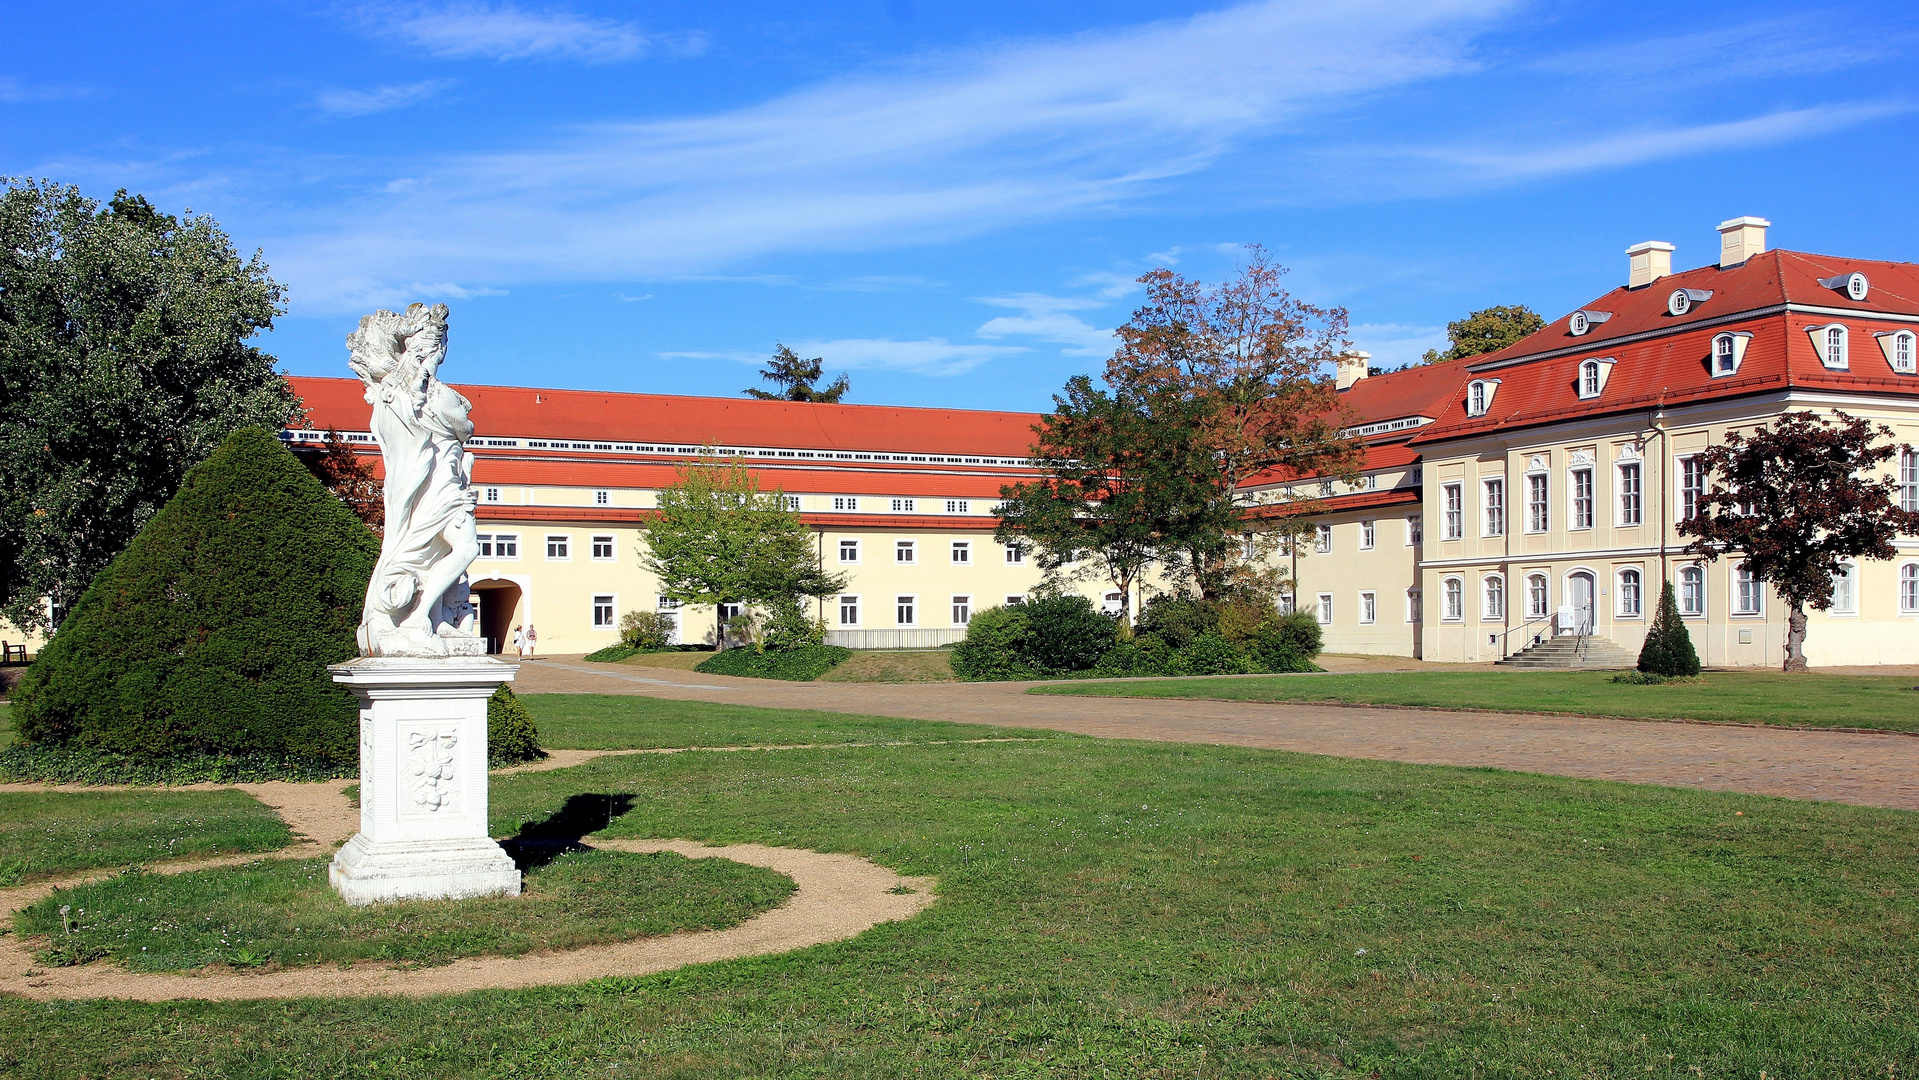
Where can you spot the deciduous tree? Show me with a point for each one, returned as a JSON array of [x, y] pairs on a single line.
[[348, 476], [123, 363], [1794, 500], [1486, 330]]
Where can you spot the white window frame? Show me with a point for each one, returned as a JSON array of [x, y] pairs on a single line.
[[905, 506], [1589, 379], [1692, 592], [852, 545], [492, 494], [1452, 511], [849, 602], [1452, 599], [1324, 611], [1479, 396], [1909, 480], [909, 604], [906, 553], [1415, 530], [1322, 538], [1630, 506], [1850, 572], [501, 541], [790, 502], [962, 553], [1728, 352], [607, 540], [565, 541], [1692, 497], [612, 608], [1015, 554], [1368, 534], [1492, 597], [1368, 607], [1637, 595], [1492, 497], [1539, 600], [1576, 521], [602, 497], [1902, 351], [1539, 503], [962, 610], [958, 506], [1015, 599], [1908, 585], [846, 502], [1758, 590], [1832, 344]]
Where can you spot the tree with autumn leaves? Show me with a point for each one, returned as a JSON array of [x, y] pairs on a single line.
[[1794, 500], [1210, 387]]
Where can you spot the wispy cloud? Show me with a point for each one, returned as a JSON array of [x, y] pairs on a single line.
[[507, 32], [1049, 318], [14, 91], [926, 356], [379, 99], [1767, 48]]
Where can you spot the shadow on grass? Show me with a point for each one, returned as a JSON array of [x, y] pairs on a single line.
[[540, 842]]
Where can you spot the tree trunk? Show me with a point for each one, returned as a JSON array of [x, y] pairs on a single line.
[[1796, 638]]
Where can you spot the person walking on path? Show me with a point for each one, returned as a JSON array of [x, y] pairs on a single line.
[[526, 650], [519, 641]]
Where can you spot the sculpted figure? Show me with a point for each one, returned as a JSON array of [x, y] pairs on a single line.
[[416, 604]]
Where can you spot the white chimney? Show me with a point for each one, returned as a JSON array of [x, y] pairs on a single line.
[[1650, 261], [1740, 239], [1349, 368]]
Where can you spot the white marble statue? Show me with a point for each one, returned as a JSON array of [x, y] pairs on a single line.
[[417, 603]]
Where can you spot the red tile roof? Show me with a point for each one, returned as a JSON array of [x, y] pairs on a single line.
[[1417, 391]]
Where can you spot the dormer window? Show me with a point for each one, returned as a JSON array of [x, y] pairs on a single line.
[[1479, 396], [1830, 342], [1728, 350], [1592, 377], [1682, 300], [1902, 351], [1854, 285], [1580, 322]]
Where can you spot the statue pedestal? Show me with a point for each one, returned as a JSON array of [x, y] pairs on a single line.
[[423, 830]]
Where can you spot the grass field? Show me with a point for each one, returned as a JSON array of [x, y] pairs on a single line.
[[282, 913], [894, 666], [614, 721], [47, 833], [1756, 697], [1123, 909]]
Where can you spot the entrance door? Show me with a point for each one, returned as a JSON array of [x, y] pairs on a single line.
[[1579, 588], [499, 602]]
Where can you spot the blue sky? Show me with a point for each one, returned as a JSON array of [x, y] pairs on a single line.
[[951, 200]]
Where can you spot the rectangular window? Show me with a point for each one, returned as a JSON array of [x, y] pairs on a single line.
[[602, 497], [1015, 554], [1692, 590], [792, 502], [1286, 603], [903, 506], [1415, 610], [962, 610], [506, 545], [1536, 596], [1452, 597], [849, 551], [1692, 486], [962, 553], [667, 603], [1495, 499], [486, 545], [904, 551], [603, 548], [1322, 538], [1909, 589], [1582, 499], [846, 502], [1415, 530], [903, 610], [1494, 590], [849, 611], [557, 547], [492, 494], [1630, 600], [1630, 511], [1455, 519], [1368, 608], [1366, 536], [1325, 609], [603, 613], [1909, 480], [958, 506], [1747, 594], [1013, 600], [1538, 511]]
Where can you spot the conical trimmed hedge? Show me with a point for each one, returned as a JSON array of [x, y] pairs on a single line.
[[212, 632], [1668, 649]]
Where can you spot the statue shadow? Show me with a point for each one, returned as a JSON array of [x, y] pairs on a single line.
[[540, 842]]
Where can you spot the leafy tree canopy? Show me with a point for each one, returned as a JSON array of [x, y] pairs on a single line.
[[1794, 500], [795, 379], [348, 476], [1486, 330], [123, 362]]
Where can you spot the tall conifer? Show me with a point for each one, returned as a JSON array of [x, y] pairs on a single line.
[[1668, 649]]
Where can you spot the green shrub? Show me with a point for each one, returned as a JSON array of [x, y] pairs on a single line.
[[1212, 654], [211, 634], [612, 654], [80, 765], [1141, 657], [788, 627], [644, 631], [1066, 634], [1641, 678], [511, 736], [1668, 649], [994, 648], [804, 664], [1287, 643], [1177, 620]]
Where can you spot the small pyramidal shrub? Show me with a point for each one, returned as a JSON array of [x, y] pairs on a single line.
[[511, 736], [1668, 650], [212, 632]]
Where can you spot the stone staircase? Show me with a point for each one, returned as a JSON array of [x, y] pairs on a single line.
[[1566, 652]]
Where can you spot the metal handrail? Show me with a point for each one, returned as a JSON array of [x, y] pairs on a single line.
[[1505, 645]]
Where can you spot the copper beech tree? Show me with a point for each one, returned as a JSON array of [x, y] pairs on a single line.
[[1793, 501]]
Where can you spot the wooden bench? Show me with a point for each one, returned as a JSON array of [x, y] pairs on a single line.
[[10, 654]]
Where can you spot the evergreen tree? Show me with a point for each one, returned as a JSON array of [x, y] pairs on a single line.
[[796, 378], [212, 632], [1668, 649]]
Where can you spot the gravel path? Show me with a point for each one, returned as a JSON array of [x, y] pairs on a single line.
[[1866, 769]]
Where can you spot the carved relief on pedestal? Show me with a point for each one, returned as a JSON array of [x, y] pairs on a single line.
[[429, 771]]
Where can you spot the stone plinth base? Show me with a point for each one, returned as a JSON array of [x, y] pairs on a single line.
[[423, 832], [369, 873]]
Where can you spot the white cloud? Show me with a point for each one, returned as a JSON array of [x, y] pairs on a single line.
[[927, 356], [12, 91], [506, 32], [1045, 318], [379, 99]]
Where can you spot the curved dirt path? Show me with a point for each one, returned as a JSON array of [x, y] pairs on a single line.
[[838, 897]]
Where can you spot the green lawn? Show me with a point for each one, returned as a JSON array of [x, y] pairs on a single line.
[[1758, 697], [894, 666], [283, 913], [612, 721], [1124, 909], [48, 833]]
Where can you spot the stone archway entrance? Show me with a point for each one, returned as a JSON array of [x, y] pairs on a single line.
[[499, 609]]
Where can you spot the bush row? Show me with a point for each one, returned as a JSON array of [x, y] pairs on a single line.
[[802, 664], [1064, 636]]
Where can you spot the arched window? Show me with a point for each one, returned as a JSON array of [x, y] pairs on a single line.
[[1903, 353], [1495, 587], [1589, 379], [1453, 599], [1630, 599], [1845, 590], [1909, 589], [1722, 362], [1909, 480], [1535, 596], [1476, 403], [1835, 346], [1692, 590]]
